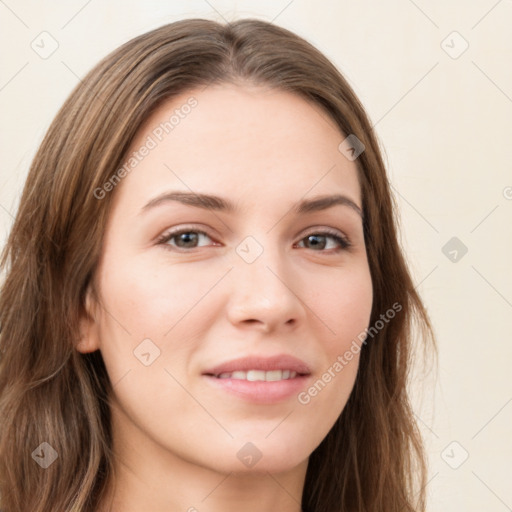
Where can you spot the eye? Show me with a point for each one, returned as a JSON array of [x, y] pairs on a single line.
[[184, 238], [325, 240], [189, 238]]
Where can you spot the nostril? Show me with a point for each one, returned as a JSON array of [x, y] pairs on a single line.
[[251, 321]]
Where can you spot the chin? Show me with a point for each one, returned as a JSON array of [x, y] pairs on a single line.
[[269, 464], [262, 456]]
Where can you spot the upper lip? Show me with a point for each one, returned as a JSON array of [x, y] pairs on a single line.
[[279, 362]]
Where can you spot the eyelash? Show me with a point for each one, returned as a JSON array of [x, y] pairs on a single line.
[[342, 241]]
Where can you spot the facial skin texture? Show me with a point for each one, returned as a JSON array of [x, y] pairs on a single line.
[[175, 435]]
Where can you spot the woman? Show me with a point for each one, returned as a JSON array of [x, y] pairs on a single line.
[[205, 305]]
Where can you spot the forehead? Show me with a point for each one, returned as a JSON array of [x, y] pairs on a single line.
[[248, 141]]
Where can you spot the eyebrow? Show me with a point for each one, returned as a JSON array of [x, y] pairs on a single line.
[[216, 203]]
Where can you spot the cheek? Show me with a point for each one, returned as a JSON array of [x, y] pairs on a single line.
[[170, 305], [344, 306], [149, 330], [150, 300], [346, 309]]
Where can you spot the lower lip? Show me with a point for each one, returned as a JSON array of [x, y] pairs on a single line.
[[260, 391]]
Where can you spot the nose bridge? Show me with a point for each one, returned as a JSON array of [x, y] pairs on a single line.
[[262, 291]]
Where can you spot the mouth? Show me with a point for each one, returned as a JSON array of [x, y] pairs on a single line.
[[260, 380], [258, 375]]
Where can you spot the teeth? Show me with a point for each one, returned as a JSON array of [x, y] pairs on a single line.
[[253, 375], [273, 375]]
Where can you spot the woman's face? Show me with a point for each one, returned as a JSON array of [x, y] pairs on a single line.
[[189, 284]]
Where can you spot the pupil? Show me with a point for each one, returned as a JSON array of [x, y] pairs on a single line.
[[187, 238], [314, 241]]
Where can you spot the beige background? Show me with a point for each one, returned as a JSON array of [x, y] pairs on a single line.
[[445, 120]]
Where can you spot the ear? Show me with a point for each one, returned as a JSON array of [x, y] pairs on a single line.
[[89, 339]]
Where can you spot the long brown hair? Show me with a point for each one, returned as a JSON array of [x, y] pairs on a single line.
[[371, 460]]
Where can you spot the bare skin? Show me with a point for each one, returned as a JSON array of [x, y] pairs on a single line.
[[177, 436]]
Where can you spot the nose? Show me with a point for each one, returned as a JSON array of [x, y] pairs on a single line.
[[263, 295]]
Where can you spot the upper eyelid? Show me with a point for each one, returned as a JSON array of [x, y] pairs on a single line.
[[310, 230]]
